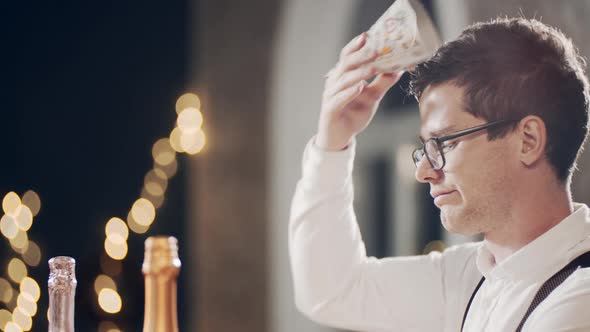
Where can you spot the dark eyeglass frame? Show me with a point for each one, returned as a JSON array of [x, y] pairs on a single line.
[[440, 140]]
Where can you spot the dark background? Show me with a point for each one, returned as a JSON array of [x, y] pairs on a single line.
[[88, 87]]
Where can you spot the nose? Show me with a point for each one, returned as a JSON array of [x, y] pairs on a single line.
[[425, 173]]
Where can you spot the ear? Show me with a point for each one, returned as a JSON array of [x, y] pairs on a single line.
[[533, 139]]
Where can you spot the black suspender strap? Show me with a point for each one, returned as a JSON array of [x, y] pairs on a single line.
[[471, 300], [553, 282], [557, 279]]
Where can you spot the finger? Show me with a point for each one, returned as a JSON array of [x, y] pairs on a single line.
[[354, 45], [350, 78], [356, 59], [344, 97], [382, 83], [352, 61]]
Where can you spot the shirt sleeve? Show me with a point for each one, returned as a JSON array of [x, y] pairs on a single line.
[[335, 283]]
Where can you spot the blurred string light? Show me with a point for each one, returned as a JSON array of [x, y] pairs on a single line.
[[186, 137], [110, 266], [5, 317], [109, 300], [115, 243], [20, 301], [17, 270], [6, 291], [436, 245], [108, 327], [102, 282], [12, 327]]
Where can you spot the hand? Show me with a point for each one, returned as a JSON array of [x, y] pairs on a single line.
[[349, 102]]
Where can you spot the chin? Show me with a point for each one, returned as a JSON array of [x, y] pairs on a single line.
[[454, 221]]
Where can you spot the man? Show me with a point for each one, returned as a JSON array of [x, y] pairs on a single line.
[[504, 114]]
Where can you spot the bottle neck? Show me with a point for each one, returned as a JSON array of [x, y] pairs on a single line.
[[61, 309], [160, 301]]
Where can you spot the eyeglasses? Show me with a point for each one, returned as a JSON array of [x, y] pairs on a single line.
[[434, 148]]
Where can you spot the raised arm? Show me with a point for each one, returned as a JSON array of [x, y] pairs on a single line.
[[335, 282]]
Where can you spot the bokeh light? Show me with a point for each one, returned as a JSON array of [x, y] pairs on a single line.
[[17, 270], [110, 266], [170, 169], [27, 305], [160, 173], [117, 230], [109, 301], [162, 152], [156, 201], [103, 281], [32, 255], [154, 188], [8, 226], [192, 142], [187, 137], [135, 226], [436, 245], [20, 242], [143, 212], [21, 319], [6, 291], [12, 304], [11, 203], [156, 182], [175, 140], [30, 288], [108, 327], [5, 317], [190, 120], [187, 100], [24, 218], [31, 199], [115, 250], [12, 327]]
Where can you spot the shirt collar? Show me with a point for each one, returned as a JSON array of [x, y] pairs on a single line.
[[542, 255]]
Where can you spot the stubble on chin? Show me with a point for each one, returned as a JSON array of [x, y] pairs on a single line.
[[460, 221]]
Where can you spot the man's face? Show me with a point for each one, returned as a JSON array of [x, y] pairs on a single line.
[[473, 190]]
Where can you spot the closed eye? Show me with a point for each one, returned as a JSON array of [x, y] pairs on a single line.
[[448, 146]]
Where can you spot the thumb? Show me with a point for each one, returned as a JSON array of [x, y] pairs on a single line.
[[382, 83]]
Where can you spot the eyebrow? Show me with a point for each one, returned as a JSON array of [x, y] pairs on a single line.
[[440, 132]]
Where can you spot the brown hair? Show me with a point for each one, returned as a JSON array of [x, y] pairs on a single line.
[[511, 68]]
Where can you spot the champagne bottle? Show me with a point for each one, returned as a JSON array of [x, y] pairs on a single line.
[[161, 266], [62, 291]]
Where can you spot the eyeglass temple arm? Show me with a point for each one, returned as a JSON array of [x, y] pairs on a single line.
[[471, 130]]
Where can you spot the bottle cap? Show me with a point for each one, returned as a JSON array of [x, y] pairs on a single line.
[[161, 253], [62, 271]]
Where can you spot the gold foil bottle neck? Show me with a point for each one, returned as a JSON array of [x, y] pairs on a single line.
[[161, 267], [161, 253]]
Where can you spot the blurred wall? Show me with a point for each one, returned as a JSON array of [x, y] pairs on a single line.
[[310, 36], [229, 183]]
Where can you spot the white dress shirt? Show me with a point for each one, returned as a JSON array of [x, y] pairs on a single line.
[[336, 284]]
